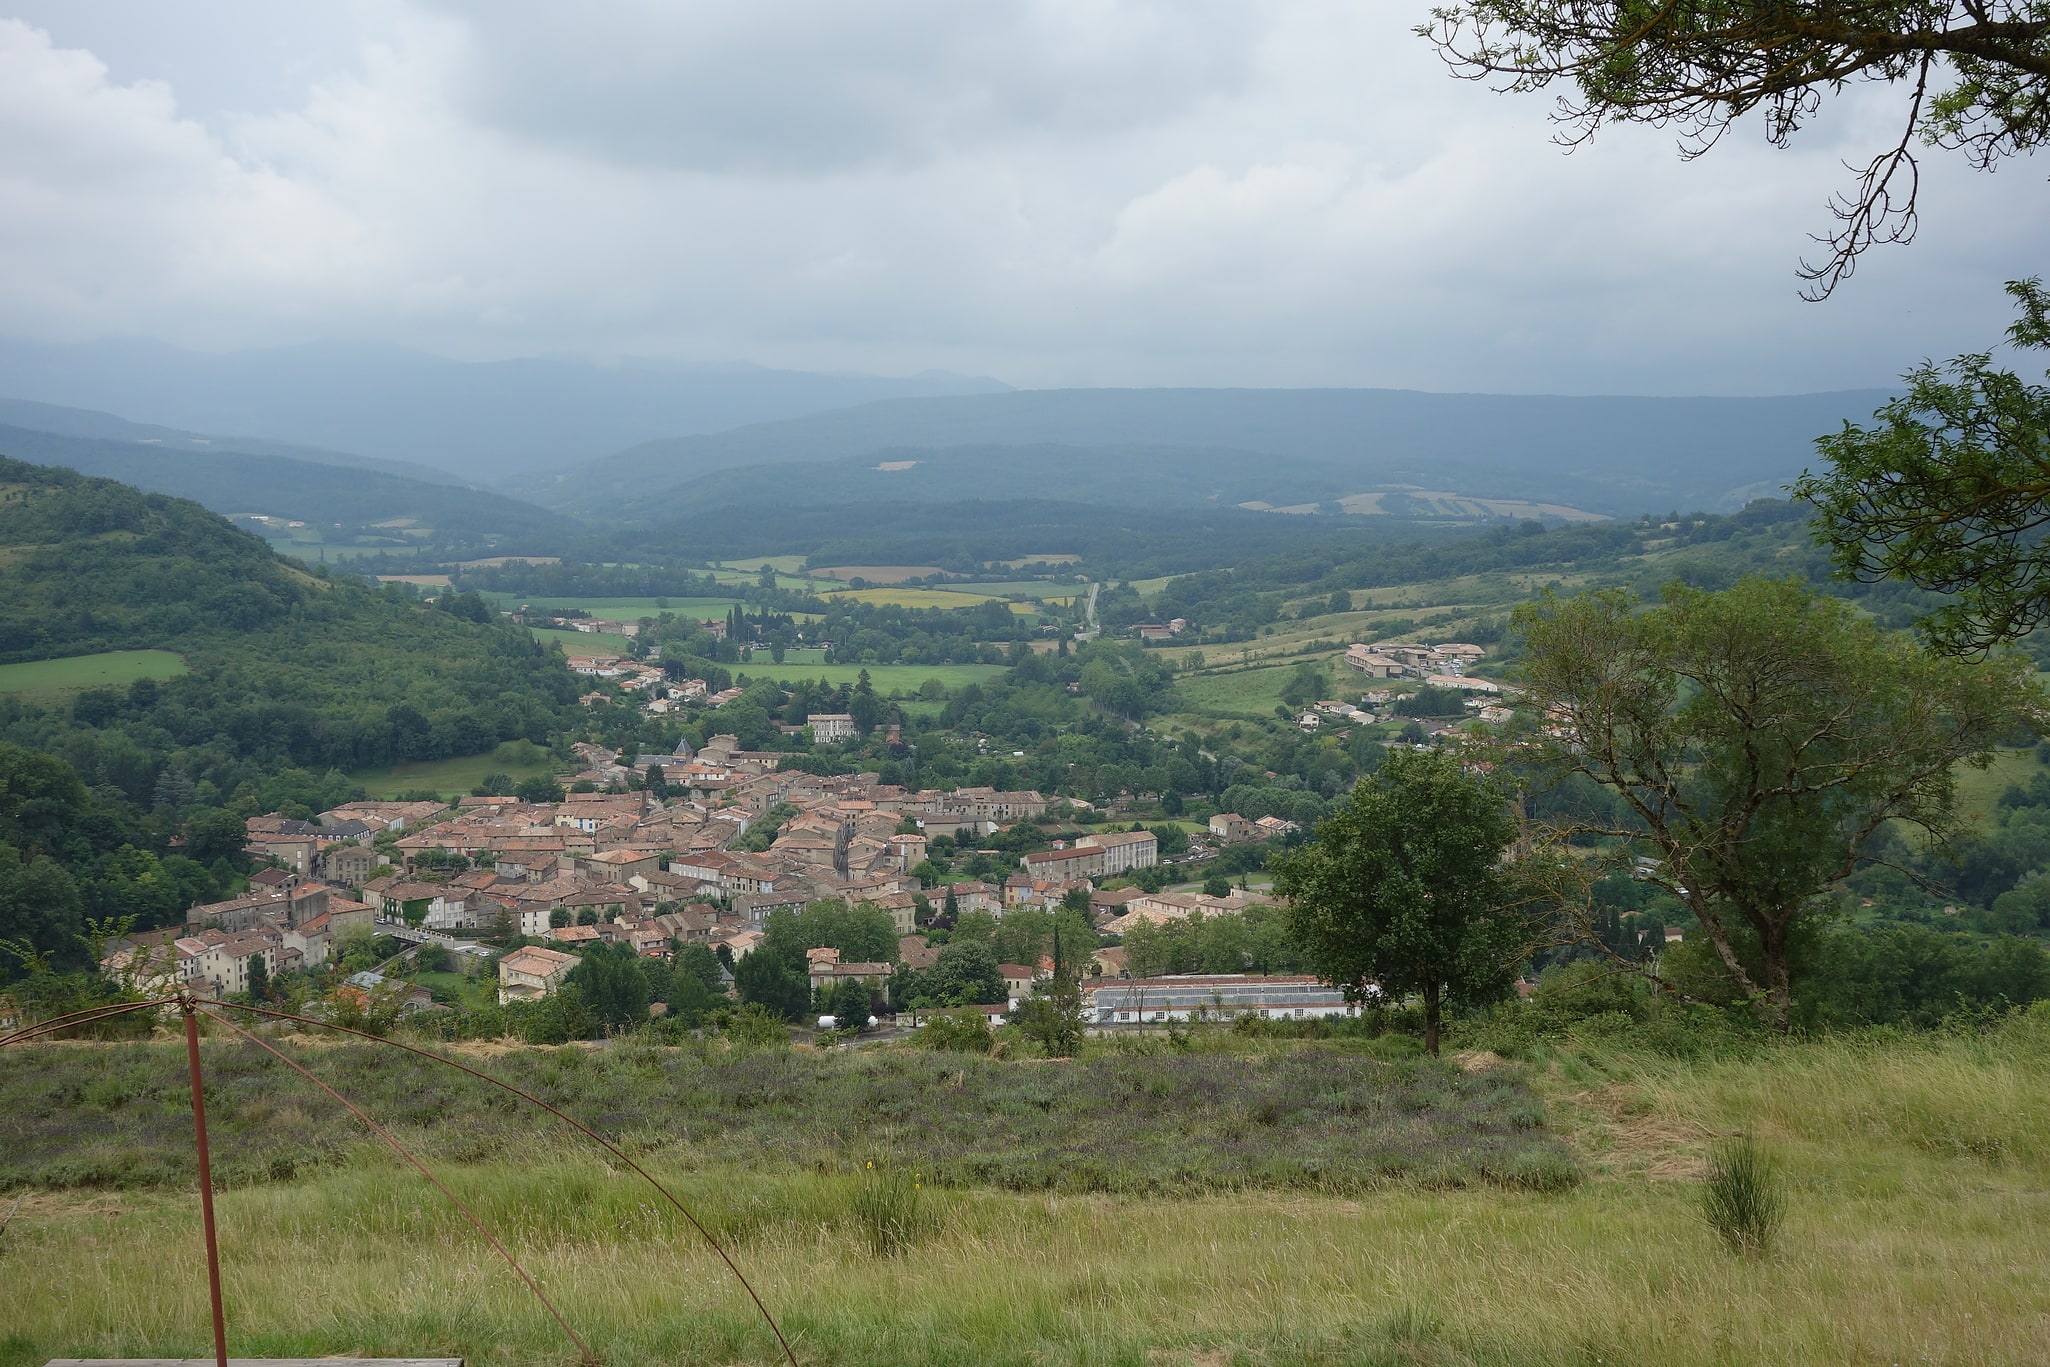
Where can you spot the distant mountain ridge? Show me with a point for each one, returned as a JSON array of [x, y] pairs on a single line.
[[1620, 456], [233, 481], [481, 420]]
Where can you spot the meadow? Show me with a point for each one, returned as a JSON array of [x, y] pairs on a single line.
[[1916, 1232], [111, 669], [454, 777], [885, 679]]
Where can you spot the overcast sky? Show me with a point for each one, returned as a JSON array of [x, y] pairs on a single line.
[[1268, 192]]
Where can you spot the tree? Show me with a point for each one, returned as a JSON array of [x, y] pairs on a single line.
[[539, 789], [1217, 885], [1401, 890], [259, 979], [766, 979], [1699, 68], [1053, 1018], [612, 986], [965, 974], [1759, 739], [850, 1003], [1950, 490]]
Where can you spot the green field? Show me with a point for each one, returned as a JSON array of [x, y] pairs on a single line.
[[585, 642], [1248, 692], [114, 669], [455, 777], [883, 678]]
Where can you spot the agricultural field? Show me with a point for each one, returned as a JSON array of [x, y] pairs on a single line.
[[618, 609], [782, 564], [112, 669], [885, 679], [1241, 693], [1914, 1227], [878, 574], [454, 777], [915, 598], [585, 642]]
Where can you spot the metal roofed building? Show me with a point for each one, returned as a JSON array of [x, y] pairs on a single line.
[[1215, 996]]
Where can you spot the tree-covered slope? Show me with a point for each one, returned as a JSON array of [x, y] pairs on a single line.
[[289, 668]]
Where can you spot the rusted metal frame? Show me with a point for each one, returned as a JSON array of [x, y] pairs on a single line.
[[386, 1135], [570, 1120], [84, 1016], [206, 1182]]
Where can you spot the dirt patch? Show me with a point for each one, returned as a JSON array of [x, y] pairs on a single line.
[[1641, 1141]]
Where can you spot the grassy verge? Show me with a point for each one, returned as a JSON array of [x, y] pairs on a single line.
[[1915, 1232]]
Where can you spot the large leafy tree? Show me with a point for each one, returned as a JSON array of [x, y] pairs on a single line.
[[1950, 490], [1975, 75], [1403, 889], [1758, 739]]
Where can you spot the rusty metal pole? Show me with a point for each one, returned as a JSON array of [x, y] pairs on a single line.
[[206, 1180]]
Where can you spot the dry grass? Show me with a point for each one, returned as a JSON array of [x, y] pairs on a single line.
[[1918, 1230]]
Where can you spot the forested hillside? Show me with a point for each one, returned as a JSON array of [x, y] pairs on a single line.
[[288, 668]]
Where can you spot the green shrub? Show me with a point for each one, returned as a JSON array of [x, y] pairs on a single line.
[[1743, 1198], [960, 1032]]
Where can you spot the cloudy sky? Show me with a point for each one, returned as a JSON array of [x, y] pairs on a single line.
[[1094, 192]]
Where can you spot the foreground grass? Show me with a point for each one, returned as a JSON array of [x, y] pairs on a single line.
[[1916, 1232]]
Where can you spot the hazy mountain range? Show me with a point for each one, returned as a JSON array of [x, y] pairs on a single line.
[[480, 420], [521, 451]]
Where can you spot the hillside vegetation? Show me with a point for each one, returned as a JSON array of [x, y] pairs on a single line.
[[288, 672]]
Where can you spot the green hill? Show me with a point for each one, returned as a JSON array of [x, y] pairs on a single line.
[[287, 668]]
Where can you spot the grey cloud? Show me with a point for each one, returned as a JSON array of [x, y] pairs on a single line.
[[798, 87]]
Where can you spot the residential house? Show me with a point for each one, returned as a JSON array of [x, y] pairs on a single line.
[[1018, 980], [530, 973], [1232, 829], [349, 864], [827, 971]]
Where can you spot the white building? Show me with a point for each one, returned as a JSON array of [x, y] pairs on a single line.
[[830, 728], [1220, 996]]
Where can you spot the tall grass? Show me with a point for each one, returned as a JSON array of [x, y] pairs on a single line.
[[1743, 1197], [891, 1209]]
